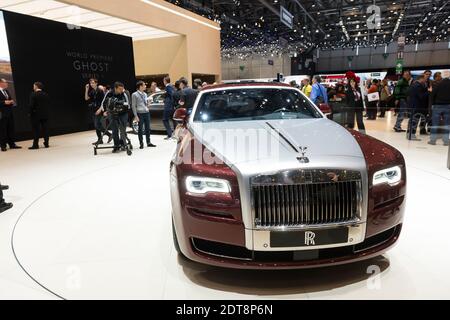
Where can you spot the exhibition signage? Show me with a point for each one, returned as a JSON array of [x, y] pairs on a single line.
[[64, 60], [400, 53], [399, 66], [286, 17]]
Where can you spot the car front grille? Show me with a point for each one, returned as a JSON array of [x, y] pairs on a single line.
[[314, 200]]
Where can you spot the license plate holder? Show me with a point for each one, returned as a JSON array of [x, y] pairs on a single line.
[[309, 238]]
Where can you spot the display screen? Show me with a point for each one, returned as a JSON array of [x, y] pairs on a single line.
[[5, 60]]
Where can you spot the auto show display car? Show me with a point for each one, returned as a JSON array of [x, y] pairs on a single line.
[[323, 195]]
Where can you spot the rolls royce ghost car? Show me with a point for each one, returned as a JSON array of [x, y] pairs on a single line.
[[262, 179], [156, 108]]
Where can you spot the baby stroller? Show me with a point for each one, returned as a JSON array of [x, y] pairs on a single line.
[[116, 109]]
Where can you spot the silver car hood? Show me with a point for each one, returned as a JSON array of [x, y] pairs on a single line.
[[324, 139], [330, 146]]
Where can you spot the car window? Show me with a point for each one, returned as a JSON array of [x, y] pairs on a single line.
[[254, 104]]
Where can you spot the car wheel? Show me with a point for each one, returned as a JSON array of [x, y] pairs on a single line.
[[175, 240]]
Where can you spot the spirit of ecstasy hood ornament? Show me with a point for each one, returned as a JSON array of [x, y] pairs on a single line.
[[303, 158]]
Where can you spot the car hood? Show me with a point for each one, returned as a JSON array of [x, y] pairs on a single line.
[[273, 143]]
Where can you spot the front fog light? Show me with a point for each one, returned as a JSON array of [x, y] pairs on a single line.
[[390, 176], [202, 185]]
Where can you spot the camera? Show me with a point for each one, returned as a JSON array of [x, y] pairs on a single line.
[[116, 106]]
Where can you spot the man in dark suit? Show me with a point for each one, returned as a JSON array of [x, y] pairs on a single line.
[[39, 112], [187, 96], [418, 101], [6, 118], [168, 107]]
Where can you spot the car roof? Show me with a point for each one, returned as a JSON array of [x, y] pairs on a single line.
[[246, 84]]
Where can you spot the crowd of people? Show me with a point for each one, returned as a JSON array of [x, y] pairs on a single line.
[[424, 101], [176, 95]]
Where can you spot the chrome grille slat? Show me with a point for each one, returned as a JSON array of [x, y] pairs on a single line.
[[336, 201], [327, 190], [292, 192], [273, 208], [263, 194], [304, 204], [277, 207], [288, 205], [300, 203], [307, 208]]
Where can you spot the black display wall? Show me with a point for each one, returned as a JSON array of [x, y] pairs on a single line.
[[63, 57]]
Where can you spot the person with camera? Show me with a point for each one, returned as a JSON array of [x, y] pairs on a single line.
[[94, 96], [141, 113], [115, 106]]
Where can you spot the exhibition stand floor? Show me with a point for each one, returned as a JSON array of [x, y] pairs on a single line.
[[86, 227]]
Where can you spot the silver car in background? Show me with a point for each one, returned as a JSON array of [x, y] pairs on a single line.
[[156, 107]]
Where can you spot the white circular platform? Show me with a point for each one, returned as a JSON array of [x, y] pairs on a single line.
[[99, 228]]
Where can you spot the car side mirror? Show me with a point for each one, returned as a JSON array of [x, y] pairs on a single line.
[[325, 108], [180, 115]]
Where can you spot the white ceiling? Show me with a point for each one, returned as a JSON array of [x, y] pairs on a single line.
[[58, 11]]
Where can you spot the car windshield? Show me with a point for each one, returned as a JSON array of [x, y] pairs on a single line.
[[246, 104]]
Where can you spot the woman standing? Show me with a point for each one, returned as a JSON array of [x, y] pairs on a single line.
[[385, 98], [372, 105], [355, 106]]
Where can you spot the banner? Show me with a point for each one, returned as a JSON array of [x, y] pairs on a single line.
[[63, 58]]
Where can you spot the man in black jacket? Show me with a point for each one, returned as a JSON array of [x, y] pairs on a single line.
[[39, 112], [6, 118], [441, 110], [169, 106], [116, 105], [94, 96], [418, 101], [188, 95]]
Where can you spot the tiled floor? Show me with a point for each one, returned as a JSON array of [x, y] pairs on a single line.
[[99, 227]]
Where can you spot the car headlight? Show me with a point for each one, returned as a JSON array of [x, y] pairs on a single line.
[[390, 176], [202, 185]]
